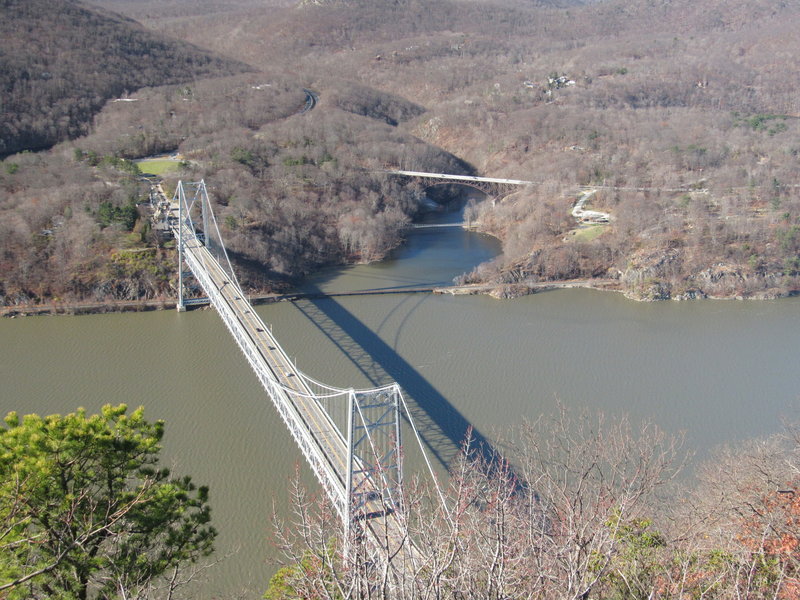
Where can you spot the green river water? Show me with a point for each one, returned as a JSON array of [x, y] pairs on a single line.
[[720, 371]]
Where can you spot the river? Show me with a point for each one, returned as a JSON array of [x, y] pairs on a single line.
[[720, 371]]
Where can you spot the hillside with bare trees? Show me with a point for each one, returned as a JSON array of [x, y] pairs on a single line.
[[685, 112], [681, 115], [61, 61], [585, 509], [294, 190]]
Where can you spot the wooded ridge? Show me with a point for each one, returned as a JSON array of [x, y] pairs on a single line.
[[61, 61], [683, 116]]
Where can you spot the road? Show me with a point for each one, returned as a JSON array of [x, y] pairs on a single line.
[[445, 176], [588, 216], [311, 101]]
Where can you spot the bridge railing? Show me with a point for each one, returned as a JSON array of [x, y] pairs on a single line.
[[331, 481]]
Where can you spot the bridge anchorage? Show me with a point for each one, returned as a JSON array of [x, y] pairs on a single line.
[[350, 438]]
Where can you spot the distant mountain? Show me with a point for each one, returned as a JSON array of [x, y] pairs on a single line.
[[61, 60]]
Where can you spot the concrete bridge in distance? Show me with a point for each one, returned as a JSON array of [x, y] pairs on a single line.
[[459, 178], [463, 225], [492, 186]]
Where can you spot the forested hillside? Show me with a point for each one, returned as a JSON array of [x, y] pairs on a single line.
[[62, 60], [294, 189], [683, 114]]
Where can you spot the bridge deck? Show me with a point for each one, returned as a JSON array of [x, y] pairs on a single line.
[[456, 178], [463, 225], [282, 369]]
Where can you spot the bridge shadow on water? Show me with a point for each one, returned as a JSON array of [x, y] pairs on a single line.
[[441, 426]]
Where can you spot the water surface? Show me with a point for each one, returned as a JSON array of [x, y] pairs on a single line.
[[721, 371]]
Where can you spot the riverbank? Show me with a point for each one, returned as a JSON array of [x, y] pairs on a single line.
[[110, 306], [515, 290], [503, 291], [84, 308]]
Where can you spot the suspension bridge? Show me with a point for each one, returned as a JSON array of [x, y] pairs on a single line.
[[350, 438]]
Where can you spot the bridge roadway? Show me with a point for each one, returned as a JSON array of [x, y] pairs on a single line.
[[464, 225], [319, 439], [473, 179], [470, 178]]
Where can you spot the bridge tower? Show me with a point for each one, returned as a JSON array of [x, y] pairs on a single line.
[[193, 208], [374, 457]]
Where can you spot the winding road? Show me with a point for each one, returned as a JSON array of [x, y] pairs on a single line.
[[588, 216], [311, 101]]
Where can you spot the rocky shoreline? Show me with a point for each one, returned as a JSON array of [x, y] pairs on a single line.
[[503, 291], [112, 306], [515, 290], [642, 294], [85, 308]]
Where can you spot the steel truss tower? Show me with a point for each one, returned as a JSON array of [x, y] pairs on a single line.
[[188, 207], [373, 455]]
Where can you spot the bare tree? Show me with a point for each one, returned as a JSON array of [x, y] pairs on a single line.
[[554, 523]]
